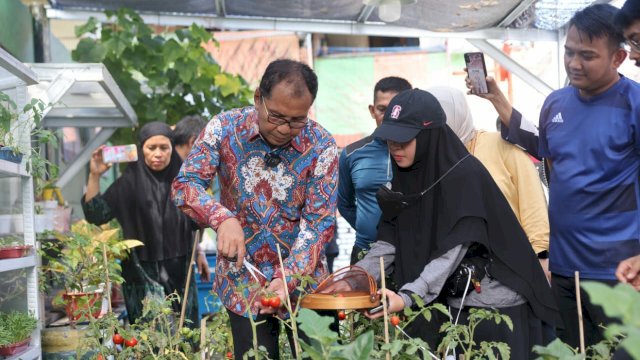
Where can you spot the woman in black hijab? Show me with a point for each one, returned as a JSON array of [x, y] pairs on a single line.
[[442, 210], [140, 201]]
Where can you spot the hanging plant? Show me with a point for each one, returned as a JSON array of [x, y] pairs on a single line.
[[16, 124]]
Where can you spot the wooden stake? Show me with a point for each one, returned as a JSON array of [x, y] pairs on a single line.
[[294, 325], [579, 303], [384, 306], [106, 270], [187, 283]]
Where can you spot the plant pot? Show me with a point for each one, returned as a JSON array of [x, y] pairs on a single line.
[[11, 252], [78, 305], [6, 153], [15, 348]]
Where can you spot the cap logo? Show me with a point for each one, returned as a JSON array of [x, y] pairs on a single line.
[[395, 112], [426, 123]]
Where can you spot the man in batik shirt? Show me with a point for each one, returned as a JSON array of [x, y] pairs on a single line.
[[278, 174]]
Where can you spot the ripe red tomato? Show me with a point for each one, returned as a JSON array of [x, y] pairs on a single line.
[[131, 342], [99, 357], [341, 315], [229, 355], [395, 320], [118, 339], [274, 302], [264, 301]]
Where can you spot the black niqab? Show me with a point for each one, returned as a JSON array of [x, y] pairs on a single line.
[[141, 202], [419, 232]]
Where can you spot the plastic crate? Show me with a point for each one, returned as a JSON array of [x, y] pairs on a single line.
[[207, 302]]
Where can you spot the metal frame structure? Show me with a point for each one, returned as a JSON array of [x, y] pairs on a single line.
[[14, 78], [361, 26], [82, 95]]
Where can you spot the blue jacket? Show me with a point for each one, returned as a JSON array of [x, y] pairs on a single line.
[[364, 167]]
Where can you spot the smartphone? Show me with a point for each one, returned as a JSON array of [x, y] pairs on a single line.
[[120, 153], [477, 70]]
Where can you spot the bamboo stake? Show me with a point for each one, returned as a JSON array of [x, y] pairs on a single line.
[[106, 270], [294, 325], [579, 303], [203, 338], [384, 306], [187, 283]]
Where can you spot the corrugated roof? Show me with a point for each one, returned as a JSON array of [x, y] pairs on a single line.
[[433, 15]]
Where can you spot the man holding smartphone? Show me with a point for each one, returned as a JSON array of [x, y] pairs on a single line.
[[588, 139]]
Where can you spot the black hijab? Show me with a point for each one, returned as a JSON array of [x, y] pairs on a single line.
[[141, 201], [460, 187]]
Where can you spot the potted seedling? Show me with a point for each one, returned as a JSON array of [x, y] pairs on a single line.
[[19, 130], [11, 246], [15, 332], [83, 261]]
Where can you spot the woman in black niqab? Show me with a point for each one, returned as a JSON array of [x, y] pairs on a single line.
[[140, 200], [446, 201]]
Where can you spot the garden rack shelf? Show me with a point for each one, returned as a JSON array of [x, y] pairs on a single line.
[[15, 77], [81, 95]]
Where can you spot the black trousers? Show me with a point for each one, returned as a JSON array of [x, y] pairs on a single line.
[[267, 333], [564, 291]]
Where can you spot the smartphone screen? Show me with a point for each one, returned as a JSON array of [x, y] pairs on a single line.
[[477, 71], [120, 153]]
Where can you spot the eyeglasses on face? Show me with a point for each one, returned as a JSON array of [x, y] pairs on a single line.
[[297, 123], [632, 45]]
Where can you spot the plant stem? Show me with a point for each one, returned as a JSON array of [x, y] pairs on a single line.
[[292, 315]]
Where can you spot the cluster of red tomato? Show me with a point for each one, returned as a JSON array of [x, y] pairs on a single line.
[[394, 320], [270, 301], [119, 340]]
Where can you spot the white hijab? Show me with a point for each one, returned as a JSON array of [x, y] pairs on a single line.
[[454, 104]]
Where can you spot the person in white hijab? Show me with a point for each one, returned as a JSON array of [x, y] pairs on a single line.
[[509, 166]]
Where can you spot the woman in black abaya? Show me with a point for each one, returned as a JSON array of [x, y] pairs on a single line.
[[140, 201], [443, 209]]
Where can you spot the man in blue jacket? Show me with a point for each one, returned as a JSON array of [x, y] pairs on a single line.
[[364, 167]]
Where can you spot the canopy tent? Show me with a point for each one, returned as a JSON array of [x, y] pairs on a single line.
[[81, 95], [476, 21]]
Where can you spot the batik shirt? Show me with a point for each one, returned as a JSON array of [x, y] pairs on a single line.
[[291, 204]]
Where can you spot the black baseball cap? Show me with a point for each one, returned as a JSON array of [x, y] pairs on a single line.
[[408, 113]]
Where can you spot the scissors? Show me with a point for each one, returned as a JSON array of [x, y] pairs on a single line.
[[253, 270]]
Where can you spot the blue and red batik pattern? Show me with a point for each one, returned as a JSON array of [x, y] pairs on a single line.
[[291, 204]]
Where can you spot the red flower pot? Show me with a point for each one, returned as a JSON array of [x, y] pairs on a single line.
[[78, 305], [15, 348], [14, 251]]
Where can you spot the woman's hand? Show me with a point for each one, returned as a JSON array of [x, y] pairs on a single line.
[[97, 166], [203, 267], [395, 303]]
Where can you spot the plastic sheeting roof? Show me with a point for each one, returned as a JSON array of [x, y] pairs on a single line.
[[432, 15]]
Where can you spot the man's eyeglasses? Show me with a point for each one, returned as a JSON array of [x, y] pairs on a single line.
[[632, 44], [279, 120]]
